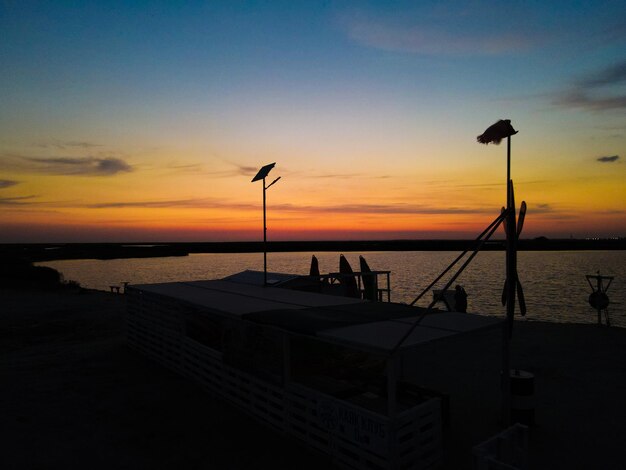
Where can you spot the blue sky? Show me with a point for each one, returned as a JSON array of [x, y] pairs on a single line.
[[393, 89]]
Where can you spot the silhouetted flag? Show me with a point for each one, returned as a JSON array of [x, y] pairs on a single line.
[[496, 132]]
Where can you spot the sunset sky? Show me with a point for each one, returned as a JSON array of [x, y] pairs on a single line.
[[146, 121]]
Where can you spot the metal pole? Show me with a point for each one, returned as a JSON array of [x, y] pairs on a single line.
[[508, 168], [510, 286], [599, 289], [264, 238]]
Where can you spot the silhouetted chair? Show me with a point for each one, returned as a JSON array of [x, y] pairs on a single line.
[[347, 280], [370, 281]]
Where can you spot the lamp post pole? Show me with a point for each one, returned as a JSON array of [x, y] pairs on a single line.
[[260, 176], [264, 237]]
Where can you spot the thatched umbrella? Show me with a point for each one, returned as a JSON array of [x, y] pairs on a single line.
[[496, 132], [494, 135]]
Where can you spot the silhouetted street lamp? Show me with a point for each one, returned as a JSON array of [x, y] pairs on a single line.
[[261, 175]]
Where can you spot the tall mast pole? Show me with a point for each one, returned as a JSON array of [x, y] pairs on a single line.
[[494, 134], [508, 170], [511, 277]]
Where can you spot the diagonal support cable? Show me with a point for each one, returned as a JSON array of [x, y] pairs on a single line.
[[451, 265], [490, 231]]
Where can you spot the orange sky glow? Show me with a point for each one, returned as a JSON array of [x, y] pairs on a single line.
[[155, 134]]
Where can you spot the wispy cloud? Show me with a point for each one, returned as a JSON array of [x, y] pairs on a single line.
[[238, 169], [487, 28], [7, 183], [245, 170], [84, 166], [215, 168], [204, 203], [199, 203], [608, 159], [409, 209], [463, 32], [582, 99], [612, 212], [541, 208], [232, 169], [17, 200], [608, 76], [320, 175], [67, 144], [498, 185], [343, 176], [598, 91], [193, 168]]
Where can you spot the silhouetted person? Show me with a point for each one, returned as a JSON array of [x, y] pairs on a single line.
[[460, 299], [315, 267]]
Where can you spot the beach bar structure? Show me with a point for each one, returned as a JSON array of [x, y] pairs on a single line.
[[313, 366]]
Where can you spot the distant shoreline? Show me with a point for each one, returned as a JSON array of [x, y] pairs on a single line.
[[64, 251]]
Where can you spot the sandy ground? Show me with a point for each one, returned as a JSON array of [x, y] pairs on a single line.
[[73, 395]]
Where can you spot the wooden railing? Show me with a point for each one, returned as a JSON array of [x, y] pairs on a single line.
[[367, 283]]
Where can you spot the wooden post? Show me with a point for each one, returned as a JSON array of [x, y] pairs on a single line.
[[286, 359], [599, 288], [391, 386]]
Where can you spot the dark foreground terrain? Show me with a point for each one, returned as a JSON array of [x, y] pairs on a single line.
[[74, 396]]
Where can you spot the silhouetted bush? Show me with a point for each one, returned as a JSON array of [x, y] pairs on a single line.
[[18, 273], [72, 284], [44, 275]]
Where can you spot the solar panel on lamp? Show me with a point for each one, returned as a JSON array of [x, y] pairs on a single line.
[[263, 172]]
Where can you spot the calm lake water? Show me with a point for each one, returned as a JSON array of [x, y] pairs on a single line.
[[554, 282]]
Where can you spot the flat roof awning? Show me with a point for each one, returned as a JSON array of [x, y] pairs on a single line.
[[384, 335], [316, 320], [257, 278], [237, 298], [372, 326]]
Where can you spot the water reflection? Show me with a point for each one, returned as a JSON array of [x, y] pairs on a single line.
[[554, 282]]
